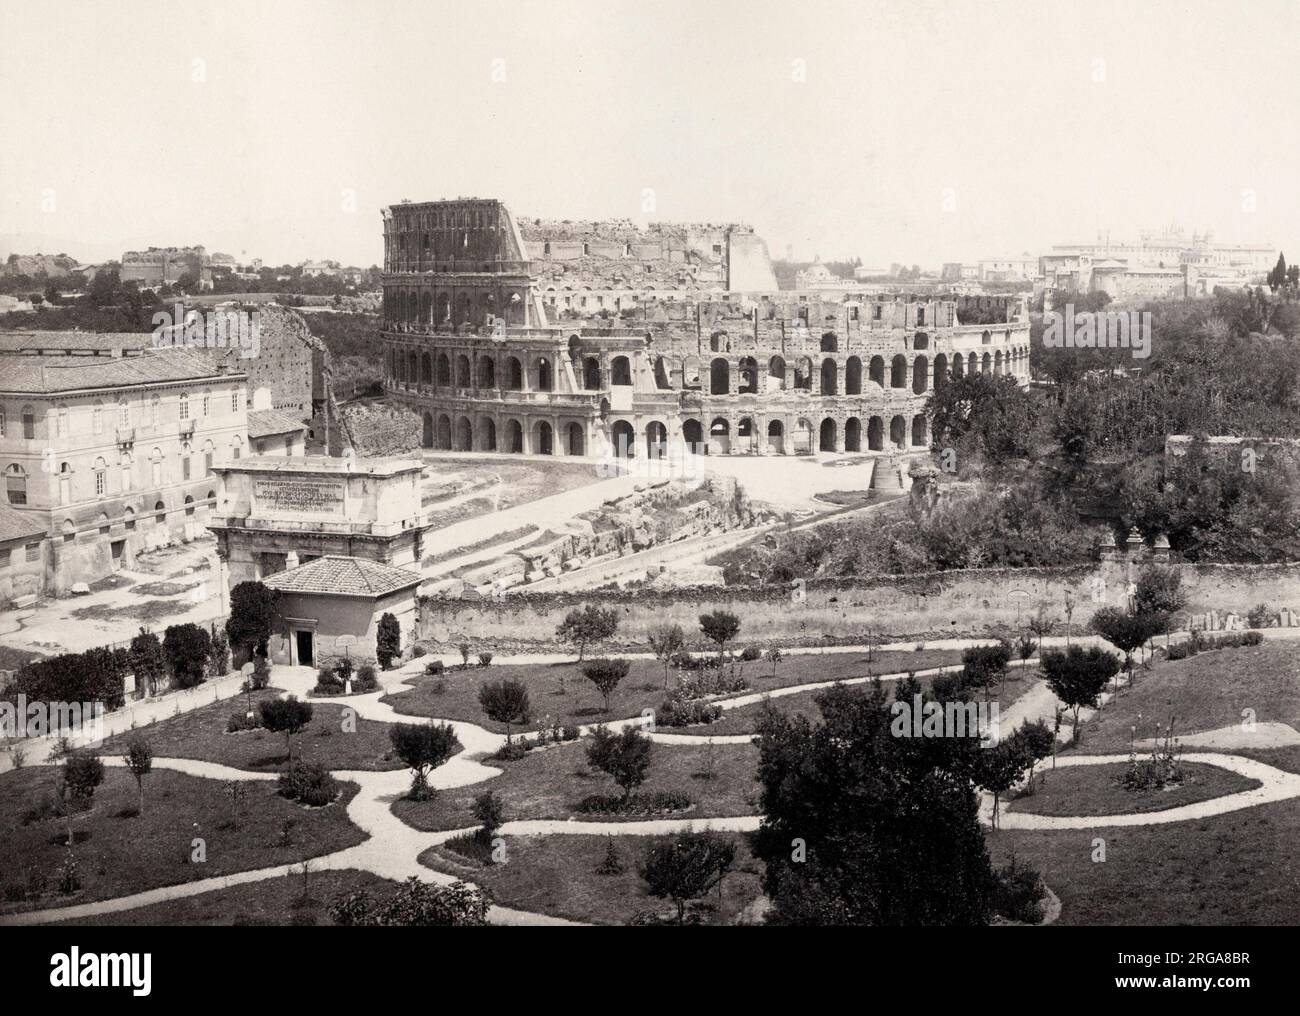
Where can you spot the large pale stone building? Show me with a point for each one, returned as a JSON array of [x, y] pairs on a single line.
[[478, 344], [111, 455]]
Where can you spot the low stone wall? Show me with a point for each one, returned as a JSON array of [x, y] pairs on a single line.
[[892, 608]]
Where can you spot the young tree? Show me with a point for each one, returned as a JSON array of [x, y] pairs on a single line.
[[285, 716], [1039, 742], [147, 661], [1160, 596], [1042, 625], [1078, 676], [388, 641], [80, 775], [999, 768], [139, 759], [505, 701], [423, 747], [586, 626], [666, 641], [686, 867], [775, 656], [253, 608], [1124, 631], [187, 648], [605, 675], [985, 666], [624, 756], [720, 626], [491, 811]]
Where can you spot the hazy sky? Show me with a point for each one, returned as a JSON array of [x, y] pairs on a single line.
[[894, 131]]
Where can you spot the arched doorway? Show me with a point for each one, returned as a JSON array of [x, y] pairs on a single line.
[[748, 376], [515, 437], [876, 370], [577, 439], [830, 377], [776, 372], [543, 439], [624, 439], [720, 435], [444, 433], [853, 434], [464, 435], [826, 436], [876, 434], [920, 375], [898, 432], [487, 439], [591, 374], [621, 369], [918, 431], [426, 440], [719, 377], [693, 435], [853, 376], [776, 436], [898, 372], [656, 440]]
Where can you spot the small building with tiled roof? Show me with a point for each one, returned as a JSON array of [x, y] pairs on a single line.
[[271, 432], [331, 606], [22, 557]]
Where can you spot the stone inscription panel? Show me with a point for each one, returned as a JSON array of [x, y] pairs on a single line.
[[306, 496]]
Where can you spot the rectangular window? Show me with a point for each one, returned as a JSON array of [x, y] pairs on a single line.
[[185, 467], [234, 400], [101, 483], [207, 407], [29, 426], [33, 551], [4, 557]]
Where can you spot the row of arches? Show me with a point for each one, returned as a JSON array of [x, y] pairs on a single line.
[[752, 435], [460, 433]]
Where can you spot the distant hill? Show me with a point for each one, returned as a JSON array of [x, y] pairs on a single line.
[[52, 266]]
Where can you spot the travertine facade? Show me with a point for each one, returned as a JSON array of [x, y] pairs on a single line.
[[472, 346]]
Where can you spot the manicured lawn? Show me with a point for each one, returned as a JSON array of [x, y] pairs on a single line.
[[1094, 790], [557, 875], [1205, 692], [560, 689], [120, 853], [744, 719], [1238, 868], [273, 901], [550, 783], [201, 734]]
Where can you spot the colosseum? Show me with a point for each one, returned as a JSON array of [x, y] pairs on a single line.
[[599, 338]]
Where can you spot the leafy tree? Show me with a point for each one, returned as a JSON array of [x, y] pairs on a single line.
[[999, 768], [187, 648], [686, 867], [253, 608], [720, 626], [1039, 741], [423, 747], [285, 716], [388, 641], [889, 826], [219, 661], [505, 701], [986, 414], [586, 626], [1160, 596], [491, 811], [1078, 676], [624, 756], [80, 776], [605, 675], [775, 656], [1126, 631], [666, 641], [985, 666], [415, 905], [139, 760], [1042, 625]]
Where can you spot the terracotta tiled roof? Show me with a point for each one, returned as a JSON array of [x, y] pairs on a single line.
[[61, 342], [18, 525], [344, 576], [43, 375], [269, 422]]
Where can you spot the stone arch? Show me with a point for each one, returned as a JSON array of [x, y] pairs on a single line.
[[426, 369], [656, 440], [985, 337], [919, 431], [464, 435], [748, 372], [876, 370], [426, 440], [876, 434], [462, 371], [958, 365], [719, 377], [487, 434], [803, 435], [514, 374], [444, 371], [829, 377], [826, 435], [514, 436], [624, 439], [426, 308], [973, 364], [986, 365], [577, 439], [853, 434], [898, 432], [853, 376], [591, 374], [921, 340], [776, 436], [545, 375], [920, 375], [898, 372], [720, 435], [662, 381], [940, 370], [543, 438], [620, 369], [693, 435], [997, 361], [487, 372], [803, 370], [443, 439], [776, 369]]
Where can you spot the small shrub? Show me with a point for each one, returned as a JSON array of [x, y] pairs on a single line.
[[677, 712], [511, 751], [658, 802], [612, 864], [570, 732], [69, 877], [1259, 616], [433, 667], [261, 675], [1019, 893], [419, 651], [365, 679], [464, 653], [484, 659], [242, 721], [1252, 638], [308, 783]]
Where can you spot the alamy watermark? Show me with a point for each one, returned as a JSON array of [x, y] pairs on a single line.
[[20, 718], [1098, 330], [214, 329], [919, 718]]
